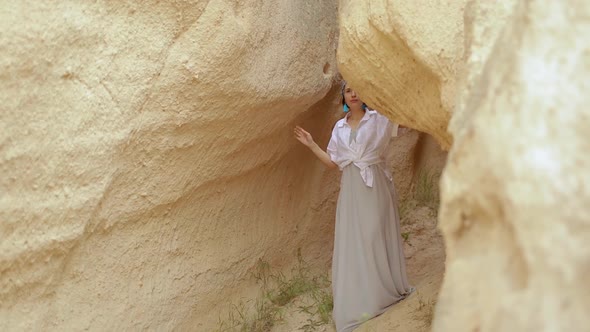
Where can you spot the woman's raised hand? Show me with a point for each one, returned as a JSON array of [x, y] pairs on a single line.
[[303, 136]]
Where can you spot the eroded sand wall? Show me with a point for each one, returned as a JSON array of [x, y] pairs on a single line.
[[514, 209], [148, 160]]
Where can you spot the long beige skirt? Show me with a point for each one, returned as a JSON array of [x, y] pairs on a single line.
[[368, 266]]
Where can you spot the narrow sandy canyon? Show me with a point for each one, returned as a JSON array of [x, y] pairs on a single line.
[[150, 171]]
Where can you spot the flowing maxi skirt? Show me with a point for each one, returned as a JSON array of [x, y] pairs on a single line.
[[368, 267]]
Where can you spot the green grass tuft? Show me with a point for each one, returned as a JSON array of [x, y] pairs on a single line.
[[277, 291]]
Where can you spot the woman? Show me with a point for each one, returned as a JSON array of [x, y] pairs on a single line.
[[368, 265]]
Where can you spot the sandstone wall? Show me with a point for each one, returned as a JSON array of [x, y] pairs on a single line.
[[404, 58], [514, 209], [148, 160], [515, 205], [414, 154]]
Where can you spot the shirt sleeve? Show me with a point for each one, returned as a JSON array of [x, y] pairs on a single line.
[[389, 127], [333, 144], [394, 129]]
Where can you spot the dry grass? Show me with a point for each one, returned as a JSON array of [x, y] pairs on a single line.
[[322, 303], [426, 191], [261, 319], [425, 310], [405, 209], [278, 290]]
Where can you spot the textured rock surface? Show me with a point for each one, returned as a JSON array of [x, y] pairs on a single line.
[[516, 201], [147, 158], [411, 154], [402, 162], [404, 58], [515, 196]]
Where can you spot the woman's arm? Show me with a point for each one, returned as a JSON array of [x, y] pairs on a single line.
[[322, 155], [305, 138]]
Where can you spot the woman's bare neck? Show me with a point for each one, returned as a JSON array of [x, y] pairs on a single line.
[[356, 114]]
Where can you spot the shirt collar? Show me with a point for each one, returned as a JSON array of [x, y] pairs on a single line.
[[368, 113]]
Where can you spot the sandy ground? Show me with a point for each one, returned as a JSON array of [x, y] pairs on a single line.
[[424, 250]]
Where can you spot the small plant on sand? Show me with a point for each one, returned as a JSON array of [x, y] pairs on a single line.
[[425, 310], [261, 319], [322, 303], [406, 236], [287, 289], [278, 290], [405, 208], [427, 189]]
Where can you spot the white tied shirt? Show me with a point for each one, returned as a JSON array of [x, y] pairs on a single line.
[[370, 147]]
